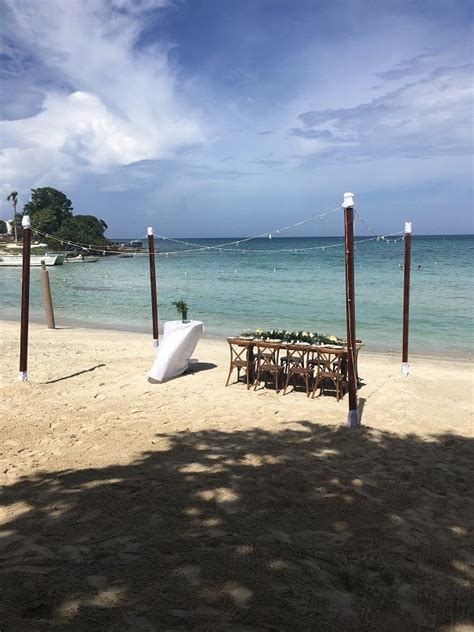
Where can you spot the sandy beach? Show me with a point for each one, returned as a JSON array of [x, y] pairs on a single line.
[[145, 507]]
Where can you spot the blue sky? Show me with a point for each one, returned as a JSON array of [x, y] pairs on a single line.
[[230, 118]]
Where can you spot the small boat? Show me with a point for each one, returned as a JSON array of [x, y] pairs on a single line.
[[82, 259], [35, 260], [126, 255], [19, 246]]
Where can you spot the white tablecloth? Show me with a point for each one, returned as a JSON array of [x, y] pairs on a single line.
[[176, 347]]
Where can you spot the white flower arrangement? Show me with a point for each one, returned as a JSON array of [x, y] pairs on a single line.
[[308, 337]]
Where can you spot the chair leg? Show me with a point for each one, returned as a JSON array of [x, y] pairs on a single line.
[[306, 379], [257, 380], [287, 381], [228, 377]]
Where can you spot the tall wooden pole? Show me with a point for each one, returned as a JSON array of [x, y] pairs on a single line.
[[406, 299], [154, 301], [47, 300], [348, 206], [25, 299]]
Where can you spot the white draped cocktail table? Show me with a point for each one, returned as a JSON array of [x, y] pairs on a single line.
[[176, 347]]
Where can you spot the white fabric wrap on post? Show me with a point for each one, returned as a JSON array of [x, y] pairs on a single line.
[[348, 201], [353, 420], [176, 347]]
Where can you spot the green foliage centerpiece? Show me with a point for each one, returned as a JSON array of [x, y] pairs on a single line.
[[283, 335], [182, 309]]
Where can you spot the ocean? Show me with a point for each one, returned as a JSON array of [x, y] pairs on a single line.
[[273, 285]]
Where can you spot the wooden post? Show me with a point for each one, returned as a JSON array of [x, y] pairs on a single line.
[[48, 303], [25, 299], [348, 206], [154, 301], [406, 299]]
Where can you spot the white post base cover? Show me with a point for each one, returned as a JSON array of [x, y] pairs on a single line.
[[23, 376], [353, 420], [405, 370], [176, 347]]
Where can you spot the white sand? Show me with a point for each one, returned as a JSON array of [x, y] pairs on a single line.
[[189, 506]]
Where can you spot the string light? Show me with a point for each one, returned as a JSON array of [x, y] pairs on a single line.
[[246, 251], [197, 248]]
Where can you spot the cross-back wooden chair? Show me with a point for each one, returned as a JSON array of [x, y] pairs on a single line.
[[344, 365], [267, 362], [329, 367], [297, 365], [241, 358]]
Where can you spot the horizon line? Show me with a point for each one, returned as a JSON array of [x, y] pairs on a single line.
[[414, 235]]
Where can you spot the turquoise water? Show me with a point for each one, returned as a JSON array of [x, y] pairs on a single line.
[[232, 291]]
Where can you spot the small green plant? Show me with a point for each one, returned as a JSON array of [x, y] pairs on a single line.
[[182, 309]]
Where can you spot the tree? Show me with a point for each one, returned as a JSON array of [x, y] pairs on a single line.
[[13, 197], [46, 221], [49, 198], [83, 229], [51, 213], [3, 227]]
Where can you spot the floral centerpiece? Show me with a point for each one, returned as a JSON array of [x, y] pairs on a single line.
[[310, 337]]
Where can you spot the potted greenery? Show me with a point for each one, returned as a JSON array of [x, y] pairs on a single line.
[[182, 309]]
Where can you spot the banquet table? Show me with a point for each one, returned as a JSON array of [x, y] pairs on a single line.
[[176, 348], [335, 350]]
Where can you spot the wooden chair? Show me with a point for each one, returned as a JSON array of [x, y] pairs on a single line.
[[330, 367], [241, 358], [344, 366], [296, 362], [267, 361]]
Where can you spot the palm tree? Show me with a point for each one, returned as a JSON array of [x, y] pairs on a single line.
[[14, 200]]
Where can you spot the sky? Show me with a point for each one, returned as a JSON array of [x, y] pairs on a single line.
[[235, 117]]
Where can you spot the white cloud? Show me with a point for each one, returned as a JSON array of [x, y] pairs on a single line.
[[125, 104], [429, 117]]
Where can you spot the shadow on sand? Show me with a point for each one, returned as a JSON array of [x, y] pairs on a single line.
[[310, 528]]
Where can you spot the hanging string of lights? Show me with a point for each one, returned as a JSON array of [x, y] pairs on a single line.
[[373, 232], [107, 248], [268, 234], [230, 246], [398, 236]]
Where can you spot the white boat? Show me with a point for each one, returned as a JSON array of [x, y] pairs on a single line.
[[35, 260], [19, 246], [82, 259]]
